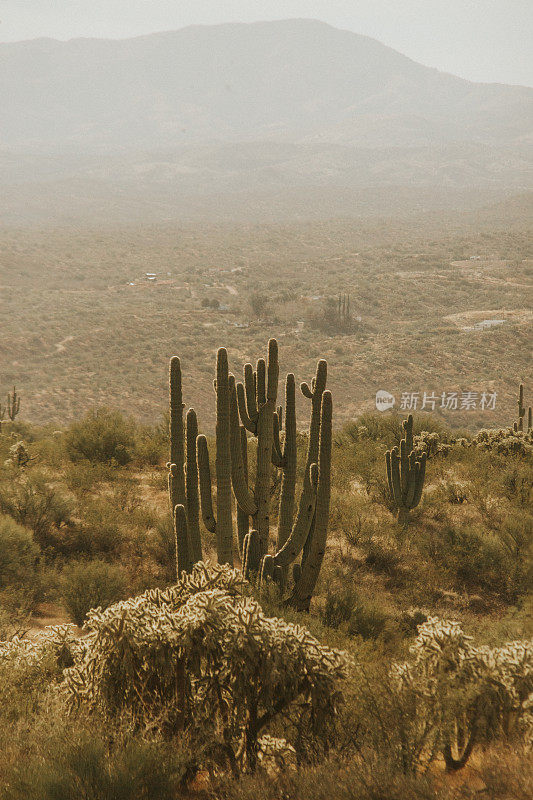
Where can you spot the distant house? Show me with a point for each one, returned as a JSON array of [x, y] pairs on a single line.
[[485, 324], [489, 323]]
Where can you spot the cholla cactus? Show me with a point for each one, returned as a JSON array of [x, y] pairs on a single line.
[[506, 441], [432, 444], [406, 471], [18, 455], [466, 694], [204, 655], [13, 404], [54, 649]]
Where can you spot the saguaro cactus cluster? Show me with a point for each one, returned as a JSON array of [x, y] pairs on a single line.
[[406, 471], [250, 406], [519, 426], [254, 401]]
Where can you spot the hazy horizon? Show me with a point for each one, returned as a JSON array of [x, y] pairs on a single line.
[[479, 41]]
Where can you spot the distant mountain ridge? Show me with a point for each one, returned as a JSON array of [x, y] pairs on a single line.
[[299, 81], [275, 120]]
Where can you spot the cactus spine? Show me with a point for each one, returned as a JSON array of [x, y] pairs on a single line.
[[406, 471], [183, 476], [13, 404]]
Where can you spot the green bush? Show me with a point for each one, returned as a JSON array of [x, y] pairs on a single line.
[[19, 555], [102, 435], [344, 609], [94, 769], [34, 503], [477, 559], [89, 584], [359, 778]]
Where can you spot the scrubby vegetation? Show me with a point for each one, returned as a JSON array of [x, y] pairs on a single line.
[[410, 659], [83, 325]]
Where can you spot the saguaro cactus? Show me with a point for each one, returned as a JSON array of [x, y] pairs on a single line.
[[255, 401], [183, 476], [519, 426], [343, 310], [222, 524], [406, 471], [13, 404]]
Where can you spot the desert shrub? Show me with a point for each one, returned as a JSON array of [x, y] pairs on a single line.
[[203, 656], [19, 555], [475, 559], [151, 444], [507, 774], [86, 765], [350, 516], [83, 477], [34, 503], [387, 428], [90, 584], [259, 302], [338, 607], [517, 482], [382, 556], [162, 547], [344, 608], [102, 435], [358, 778]]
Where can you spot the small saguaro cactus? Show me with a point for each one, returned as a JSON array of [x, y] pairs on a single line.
[[13, 404], [2, 416], [519, 426], [406, 471], [183, 476], [343, 311], [255, 402]]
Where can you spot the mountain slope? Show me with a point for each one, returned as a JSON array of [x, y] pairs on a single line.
[[294, 80]]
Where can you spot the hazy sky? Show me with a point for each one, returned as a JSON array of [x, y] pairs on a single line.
[[483, 40]]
